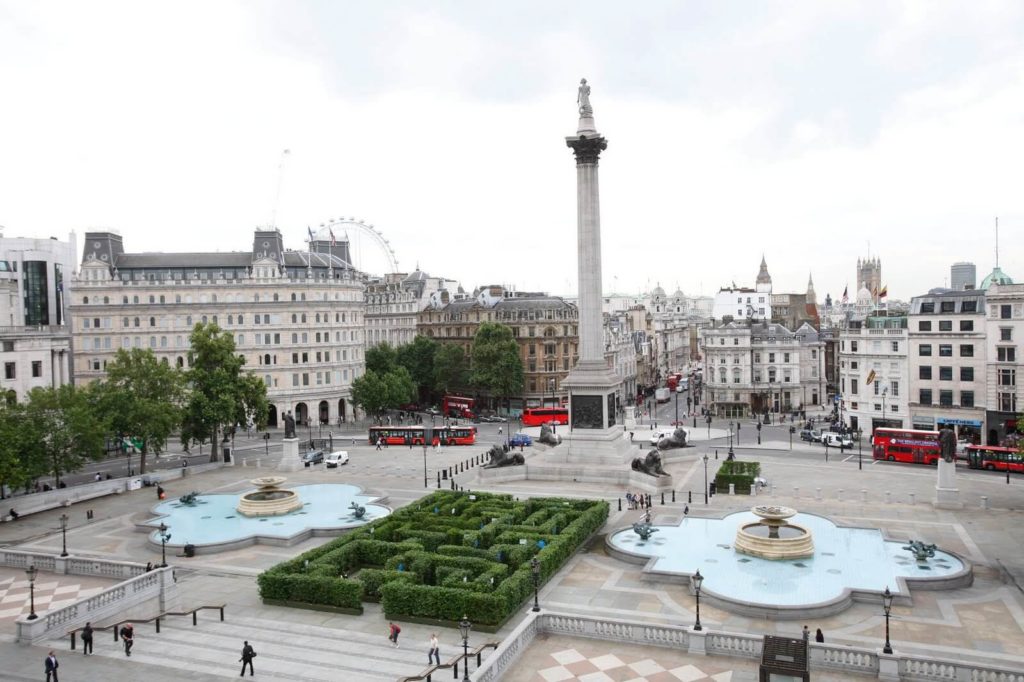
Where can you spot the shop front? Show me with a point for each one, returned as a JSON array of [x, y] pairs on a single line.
[[1002, 429]]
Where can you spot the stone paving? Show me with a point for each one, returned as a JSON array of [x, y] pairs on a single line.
[[983, 622]]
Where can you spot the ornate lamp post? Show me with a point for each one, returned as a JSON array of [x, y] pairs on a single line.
[[535, 570], [64, 534], [165, 537], [31, 573], [731, 453], [705, 478], [464, 627], [887, 606], [697, 580]]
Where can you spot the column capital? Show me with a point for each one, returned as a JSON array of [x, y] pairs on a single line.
[[587, 149]]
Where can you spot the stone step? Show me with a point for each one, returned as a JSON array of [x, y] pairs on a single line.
[[286, 650]]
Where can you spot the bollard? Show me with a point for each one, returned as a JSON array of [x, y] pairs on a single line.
[[663, 497], [438, 480], [984, 502], [620, 504], [673, 497], [716, 454], [158, 625], [888, 497], [912, 496], [796, 493], [863, 495], [689, 497], [840, 495], [817, 493], [732, 488]]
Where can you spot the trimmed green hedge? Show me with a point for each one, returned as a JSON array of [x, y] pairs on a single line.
[[741, 474], [426, 562]]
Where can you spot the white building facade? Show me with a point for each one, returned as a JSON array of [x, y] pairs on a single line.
[[1004, 329], [874, 373]]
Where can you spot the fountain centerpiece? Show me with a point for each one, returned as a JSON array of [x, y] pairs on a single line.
[[270, 499], [773, 537]]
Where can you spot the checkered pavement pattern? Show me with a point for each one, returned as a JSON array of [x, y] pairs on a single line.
[[571, 666], [52, 592]]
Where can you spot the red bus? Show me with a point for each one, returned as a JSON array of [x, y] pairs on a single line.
[[536, 416], [994, 458], [457, 406], [906, 445], [445, 435]]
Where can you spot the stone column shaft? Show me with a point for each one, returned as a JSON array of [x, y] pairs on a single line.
[[588, 218]]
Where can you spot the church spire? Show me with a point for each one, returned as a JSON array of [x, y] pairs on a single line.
[[762, 276]]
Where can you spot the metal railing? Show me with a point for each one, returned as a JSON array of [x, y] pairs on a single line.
[[452, 663], [116, 626]]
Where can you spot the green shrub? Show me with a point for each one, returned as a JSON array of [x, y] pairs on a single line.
[[739, 473]]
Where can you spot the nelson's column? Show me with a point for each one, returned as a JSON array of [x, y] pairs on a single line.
[[592, 386]]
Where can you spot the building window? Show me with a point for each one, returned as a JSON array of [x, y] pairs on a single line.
[[966, 374], [853, 386], [9, 372], [967, 325], [945, 350], [1006, 334], [966, 398], [925, 396], [894, 387], [1004, 312], [925, 349], [1007, 377], [1008, 402], [895, 346], [1006, 354], [969, 307], [967, 350], [945, 325], [37, 368], [853, 346], [928, 307], [924, 326], [945, 373], [948, 307], [946, 398]]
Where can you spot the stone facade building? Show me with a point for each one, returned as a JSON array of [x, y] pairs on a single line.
[[1004, 326], [874, 373], [546, 328], [394, 302], [297, 316]]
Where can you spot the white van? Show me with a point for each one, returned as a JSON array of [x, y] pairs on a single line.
[[336, 459]]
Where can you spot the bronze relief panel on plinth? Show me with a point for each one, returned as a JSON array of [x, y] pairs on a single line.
[[586, 412]]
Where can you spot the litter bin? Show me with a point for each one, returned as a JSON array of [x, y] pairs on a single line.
[[712, 488], [227, 455], [190, 550]]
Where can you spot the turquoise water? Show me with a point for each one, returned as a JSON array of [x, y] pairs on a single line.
[[844, 558], [214, 518]]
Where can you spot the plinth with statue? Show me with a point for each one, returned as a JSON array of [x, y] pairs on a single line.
[[947, 495], [290, 460]]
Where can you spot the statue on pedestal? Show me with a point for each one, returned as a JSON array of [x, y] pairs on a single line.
[[583, 99], [289, 425], [500, 456], [947, 443], [650, 465], [676, 440]]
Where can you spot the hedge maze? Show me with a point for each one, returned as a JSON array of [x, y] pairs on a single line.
[[442, 557]]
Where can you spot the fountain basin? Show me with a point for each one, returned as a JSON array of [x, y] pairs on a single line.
[[773, 537], [270, 499]]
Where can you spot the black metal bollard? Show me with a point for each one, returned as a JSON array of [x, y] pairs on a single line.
[[716, 454], [620, 509], [663, 497], [689, 497], [72, 640], [673, 496], [438, 480], [158, 625]]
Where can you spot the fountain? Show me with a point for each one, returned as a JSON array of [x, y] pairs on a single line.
[[270, 499], [773, 537]]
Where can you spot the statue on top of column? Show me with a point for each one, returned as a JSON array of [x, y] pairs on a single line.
[[583, 99]]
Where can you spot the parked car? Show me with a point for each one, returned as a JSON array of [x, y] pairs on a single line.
[[811, 435], [520, 440], [659, 434], [313, 457], [336, 459], [837, 440]]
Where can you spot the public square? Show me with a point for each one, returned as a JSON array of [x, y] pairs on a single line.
[[984, 622]]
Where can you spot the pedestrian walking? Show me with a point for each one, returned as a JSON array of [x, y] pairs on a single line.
[[379, 442], [686, 510], [807, 634], [128, 637], [248, 653], [87, 639], [435, 651], [499, 430], [393, 632], [819, 636], [51, 667]]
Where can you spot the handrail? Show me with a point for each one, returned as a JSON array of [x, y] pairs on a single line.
[[118, 624], [453, 663]]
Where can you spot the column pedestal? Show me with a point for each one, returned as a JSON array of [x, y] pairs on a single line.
[[947, 495], [290, 455]]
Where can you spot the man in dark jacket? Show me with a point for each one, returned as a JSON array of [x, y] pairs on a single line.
[[248, 653], [87, 639], [51, 667], [128, 637]]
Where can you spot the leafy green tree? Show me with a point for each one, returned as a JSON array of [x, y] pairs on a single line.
[[64, 427], [220, 393], [143, 398], [418, 358], [451, 368], [497, 366], [375, 392], [381, 358], [14, 446]]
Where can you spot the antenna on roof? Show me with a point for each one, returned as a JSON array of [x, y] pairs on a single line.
[[280, 181]]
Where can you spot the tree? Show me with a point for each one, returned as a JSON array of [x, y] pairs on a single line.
[[381, 358], [497, 366], [418, 358], [451, 368], [375, 392], [63, 427], [14, 470], [143, 398], [220, 393]]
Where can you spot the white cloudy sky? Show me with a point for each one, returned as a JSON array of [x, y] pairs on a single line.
[[806, 131]]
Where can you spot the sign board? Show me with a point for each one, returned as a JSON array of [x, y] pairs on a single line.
[[959, 422]]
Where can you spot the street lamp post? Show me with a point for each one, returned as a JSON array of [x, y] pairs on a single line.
[[535, 570], [708, 420], [705, 478], [64, 534], [731, 453], [860, 437], [31, 573], [887, 606], [697, 581], [428, 435], [165, 537], [464, 627]]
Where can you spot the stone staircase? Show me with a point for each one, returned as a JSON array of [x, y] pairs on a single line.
[[285, 650]]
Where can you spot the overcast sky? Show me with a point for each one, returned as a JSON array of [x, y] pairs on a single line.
[[810, 132]]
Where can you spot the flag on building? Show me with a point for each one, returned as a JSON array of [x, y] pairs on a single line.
[[884, 292], [846, 294], [334, 242], [310, 230], [871, 378]]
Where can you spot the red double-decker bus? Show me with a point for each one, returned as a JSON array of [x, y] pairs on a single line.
[[457, 406], [906, 445], [994, 458], [537, 416], [403, 435]]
